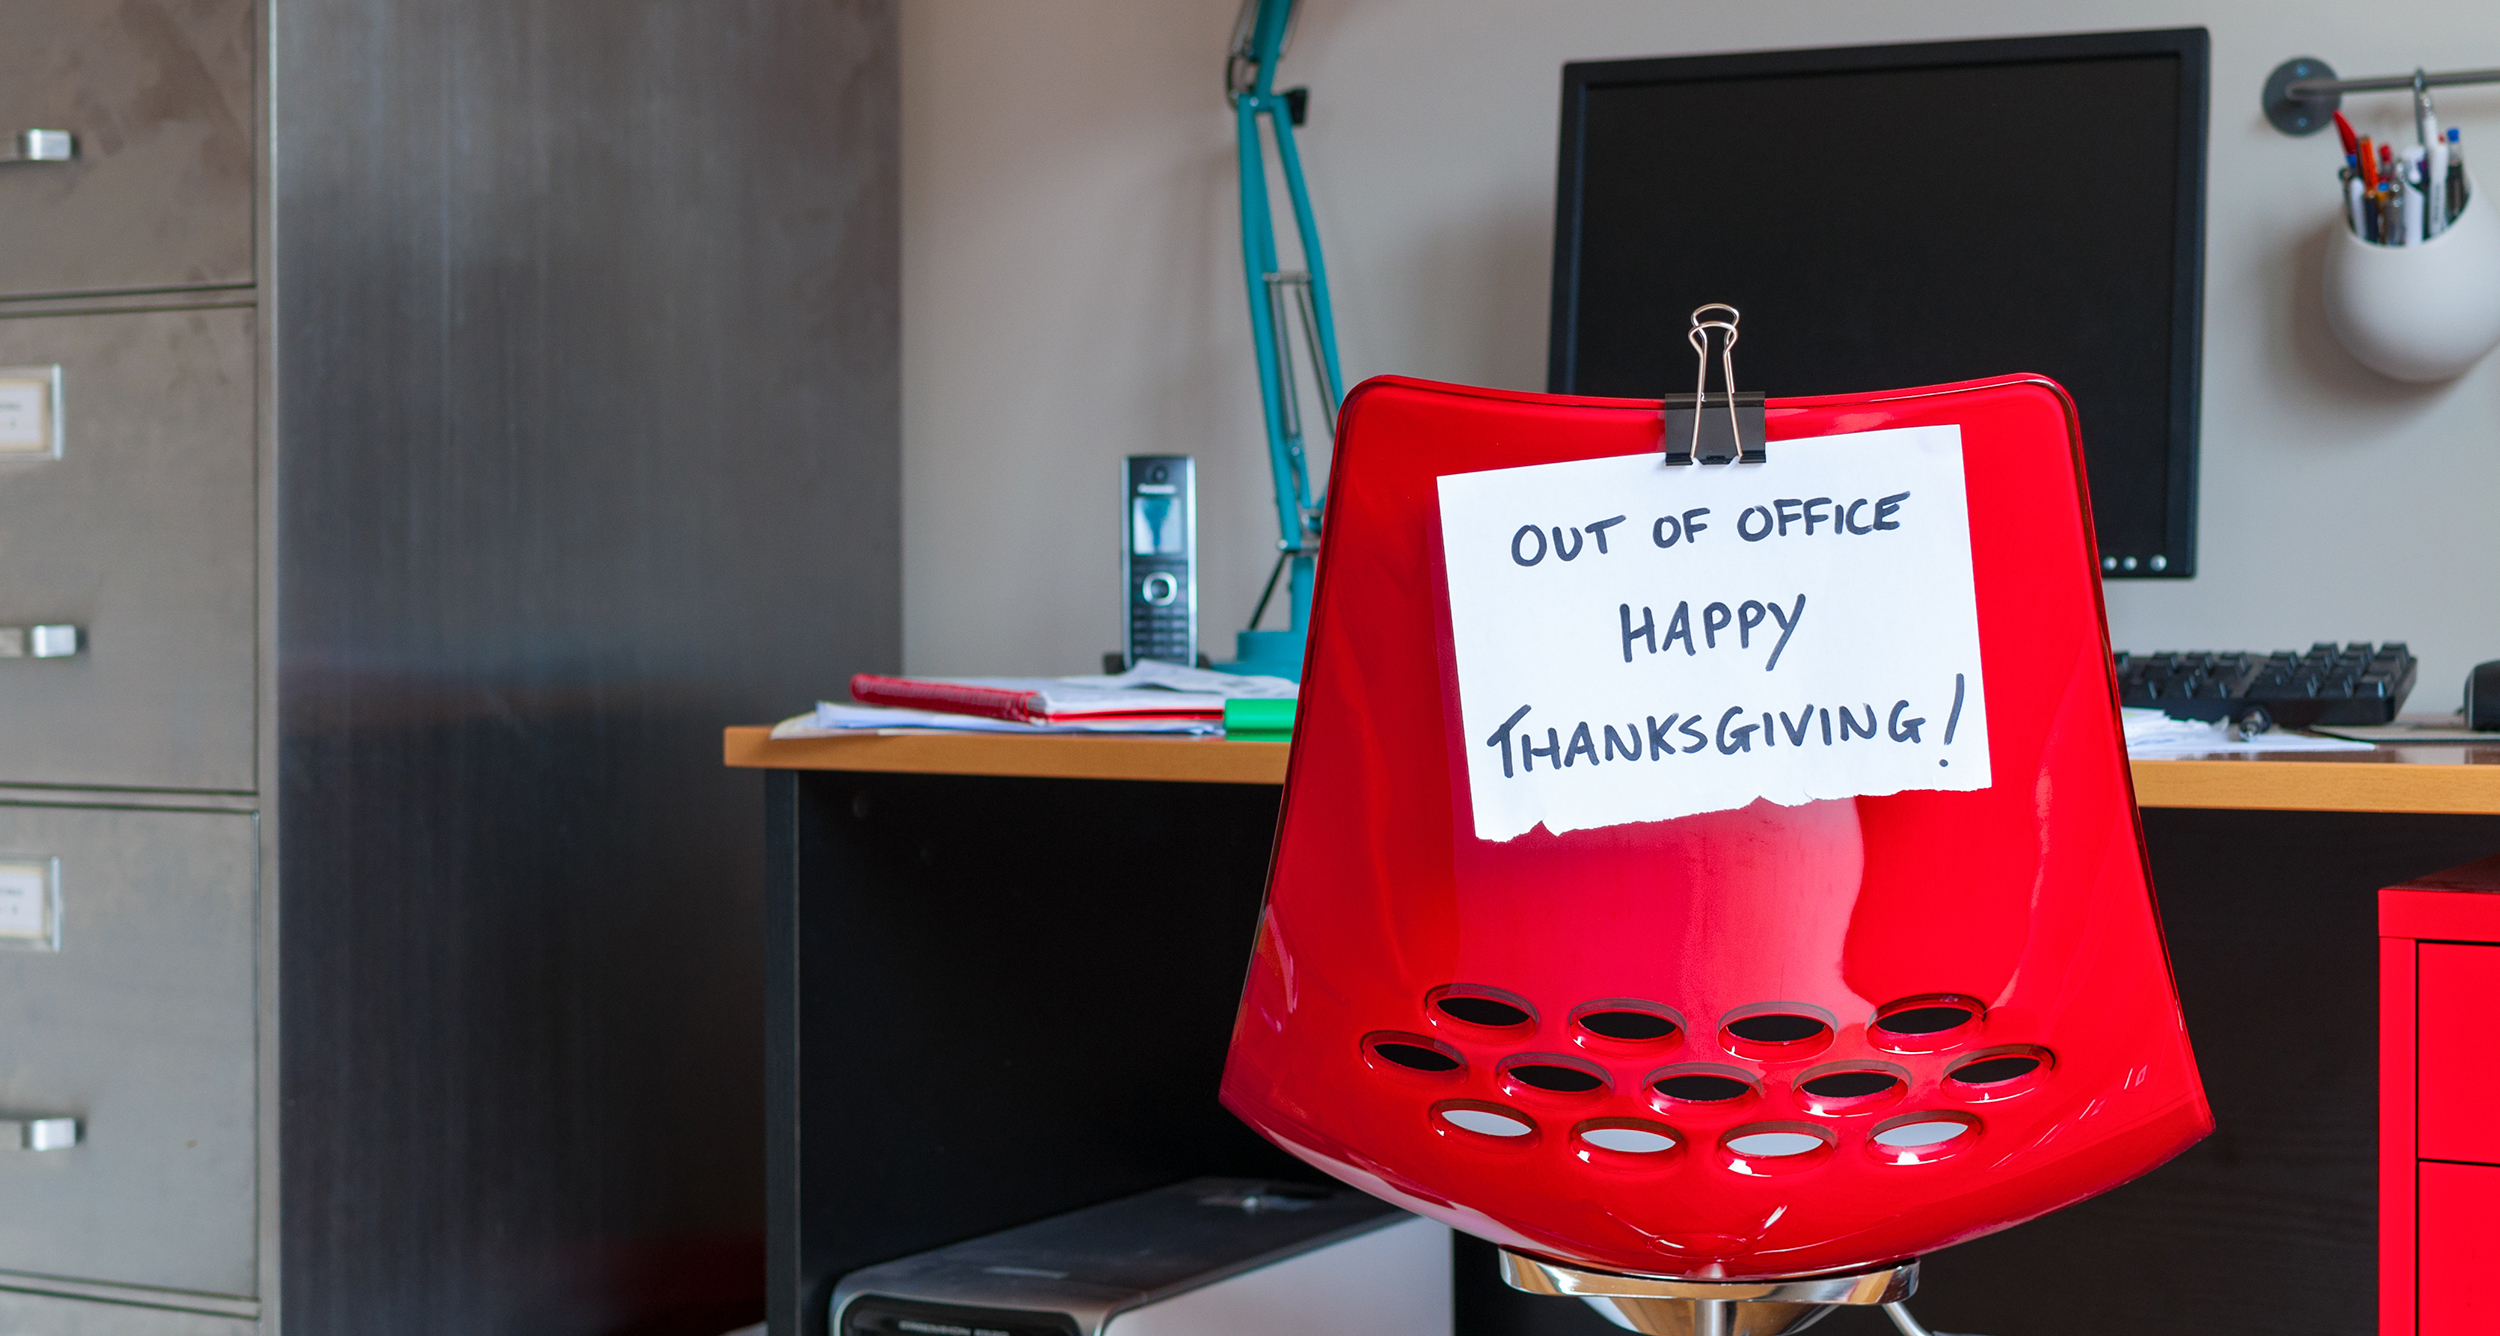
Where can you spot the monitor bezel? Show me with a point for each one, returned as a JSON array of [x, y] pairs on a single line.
[[2192, 47]]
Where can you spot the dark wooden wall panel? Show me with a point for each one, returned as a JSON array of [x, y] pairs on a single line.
[[587, 401]]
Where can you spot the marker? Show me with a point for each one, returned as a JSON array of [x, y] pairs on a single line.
[[2352, 196], [2435, 190], [2413, 196]]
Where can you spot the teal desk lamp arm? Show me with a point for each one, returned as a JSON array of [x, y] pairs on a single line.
[[1259, 39]]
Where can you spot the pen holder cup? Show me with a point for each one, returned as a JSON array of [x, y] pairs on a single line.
[[2425, 312]]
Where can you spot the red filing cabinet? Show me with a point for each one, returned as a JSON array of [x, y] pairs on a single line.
[[2439, 1103]]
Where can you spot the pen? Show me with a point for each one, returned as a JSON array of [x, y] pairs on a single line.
[[2435, 190], [2391, 208], [2456, 174], [2352, 196], [2433, 162], [2410, 215], [2343, 131]]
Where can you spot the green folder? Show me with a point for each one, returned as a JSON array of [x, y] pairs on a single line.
[[1258, 720]]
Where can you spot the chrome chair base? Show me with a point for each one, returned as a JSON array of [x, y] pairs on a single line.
[[1665, 1306]]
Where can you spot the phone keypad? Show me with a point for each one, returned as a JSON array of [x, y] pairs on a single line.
[[1158, 615]]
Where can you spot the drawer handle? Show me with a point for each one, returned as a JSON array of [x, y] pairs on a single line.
[[39, 146], [38, 642], [39, 1133]]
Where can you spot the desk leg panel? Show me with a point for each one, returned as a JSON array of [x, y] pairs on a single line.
[[784, 834]]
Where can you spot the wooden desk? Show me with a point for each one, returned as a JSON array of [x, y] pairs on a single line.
[[1001, 972], [2430, 778]]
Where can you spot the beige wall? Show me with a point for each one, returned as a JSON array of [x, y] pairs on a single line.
[[1072, 293]]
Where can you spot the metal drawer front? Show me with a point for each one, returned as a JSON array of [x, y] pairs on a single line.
[[157, 100], [139, 1027], [140, 535], [23, 1314], [2459, 992]]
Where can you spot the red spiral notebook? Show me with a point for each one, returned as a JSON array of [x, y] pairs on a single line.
[[1032, 700]]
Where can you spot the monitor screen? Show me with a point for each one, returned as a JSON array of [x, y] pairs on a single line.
[[1888, 217]]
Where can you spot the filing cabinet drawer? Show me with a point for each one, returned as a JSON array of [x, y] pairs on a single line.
[[2459, 1085], [136, 1021], [2460, 1280], [23, 1314], [158, 96], [142, 535]]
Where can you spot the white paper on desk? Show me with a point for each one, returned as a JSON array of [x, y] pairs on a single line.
[[1705, 653], [1176, 677], [2154, 736]]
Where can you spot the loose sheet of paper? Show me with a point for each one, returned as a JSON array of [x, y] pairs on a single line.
[[25, 416], [1638, 641]]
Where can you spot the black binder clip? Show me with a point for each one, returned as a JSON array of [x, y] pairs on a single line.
[[1727, 430]]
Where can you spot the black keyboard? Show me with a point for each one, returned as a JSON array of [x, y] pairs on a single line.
[[2331, 684]]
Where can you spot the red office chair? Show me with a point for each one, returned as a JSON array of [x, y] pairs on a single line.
[[1716, 1073]]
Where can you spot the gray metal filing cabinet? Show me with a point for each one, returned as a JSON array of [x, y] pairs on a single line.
[[419, 420]]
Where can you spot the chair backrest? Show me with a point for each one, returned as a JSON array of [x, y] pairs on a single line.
[[1760, 1042]]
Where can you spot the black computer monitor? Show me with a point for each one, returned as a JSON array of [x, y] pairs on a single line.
[[1889, 216]]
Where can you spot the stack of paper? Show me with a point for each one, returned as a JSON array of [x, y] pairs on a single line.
[[1150, 698], [2152, 735]]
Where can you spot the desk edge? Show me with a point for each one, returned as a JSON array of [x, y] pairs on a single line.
[[2295, 786], [2289, 786]]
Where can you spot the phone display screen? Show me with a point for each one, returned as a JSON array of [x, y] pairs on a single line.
[[1155, 526]]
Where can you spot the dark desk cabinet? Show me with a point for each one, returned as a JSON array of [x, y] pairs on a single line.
[[436, 421], [993, 999]]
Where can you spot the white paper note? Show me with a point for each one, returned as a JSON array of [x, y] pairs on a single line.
[[25, 417], [25, 902], [1638, 641]]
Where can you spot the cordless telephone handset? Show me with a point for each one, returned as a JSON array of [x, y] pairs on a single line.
[[1159, 557]]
